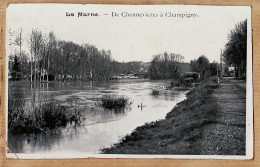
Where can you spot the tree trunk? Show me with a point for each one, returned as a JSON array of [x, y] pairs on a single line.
[[47, 67], [34, 69], [39, 74], [21, 53], [31, 65]]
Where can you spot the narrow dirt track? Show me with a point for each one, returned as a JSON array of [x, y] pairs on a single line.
[[227, 134]]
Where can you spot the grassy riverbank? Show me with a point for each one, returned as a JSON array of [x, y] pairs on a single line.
[[198, 125]]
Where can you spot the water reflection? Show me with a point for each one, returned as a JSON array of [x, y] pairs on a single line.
[[101, 127]]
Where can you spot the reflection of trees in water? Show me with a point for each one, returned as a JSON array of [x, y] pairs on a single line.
[[33, 92], [18, 91], [99, 114], [168, 95], [44, 141]]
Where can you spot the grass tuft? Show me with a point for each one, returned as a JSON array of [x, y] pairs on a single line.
[[38, 118]]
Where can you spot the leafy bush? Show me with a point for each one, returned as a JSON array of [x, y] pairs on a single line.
[[114, 102]]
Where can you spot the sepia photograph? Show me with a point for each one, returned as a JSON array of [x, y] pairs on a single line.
[[129, 81]]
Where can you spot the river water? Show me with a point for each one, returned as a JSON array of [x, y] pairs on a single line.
[[101, 128]]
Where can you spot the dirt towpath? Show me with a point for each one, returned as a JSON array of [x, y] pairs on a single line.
[[227, 134]]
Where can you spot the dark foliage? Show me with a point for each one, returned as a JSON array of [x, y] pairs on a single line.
[[110, 102], [16, 69], [167, 66], [201, 65], [236, 49], [47, 115], [155, 92]]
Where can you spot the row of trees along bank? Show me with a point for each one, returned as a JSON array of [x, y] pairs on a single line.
[[235, 52], [53, 59]]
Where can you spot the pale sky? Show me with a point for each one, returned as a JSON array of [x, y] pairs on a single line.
[[133, 38]]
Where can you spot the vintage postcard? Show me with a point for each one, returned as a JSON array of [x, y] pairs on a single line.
[[129, 81]]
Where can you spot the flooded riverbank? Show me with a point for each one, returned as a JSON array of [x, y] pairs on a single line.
[[211, 121], [101, 127]]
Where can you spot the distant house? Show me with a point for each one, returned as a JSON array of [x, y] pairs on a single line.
[[194, 75], [229, 70]]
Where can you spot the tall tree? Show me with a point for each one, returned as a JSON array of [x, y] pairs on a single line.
[[37, 38], [166, 66], [214, 68], [30, 42], [19, 39], [203, 65], [52, 46]]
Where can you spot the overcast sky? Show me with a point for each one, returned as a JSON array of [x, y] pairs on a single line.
[[132, 38]]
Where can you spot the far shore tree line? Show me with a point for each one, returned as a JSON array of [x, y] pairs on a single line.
[[52, 59]]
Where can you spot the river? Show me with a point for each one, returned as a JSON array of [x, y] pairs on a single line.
[[101, 128]]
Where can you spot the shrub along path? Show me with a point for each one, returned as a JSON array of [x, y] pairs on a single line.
[[211, 121]]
